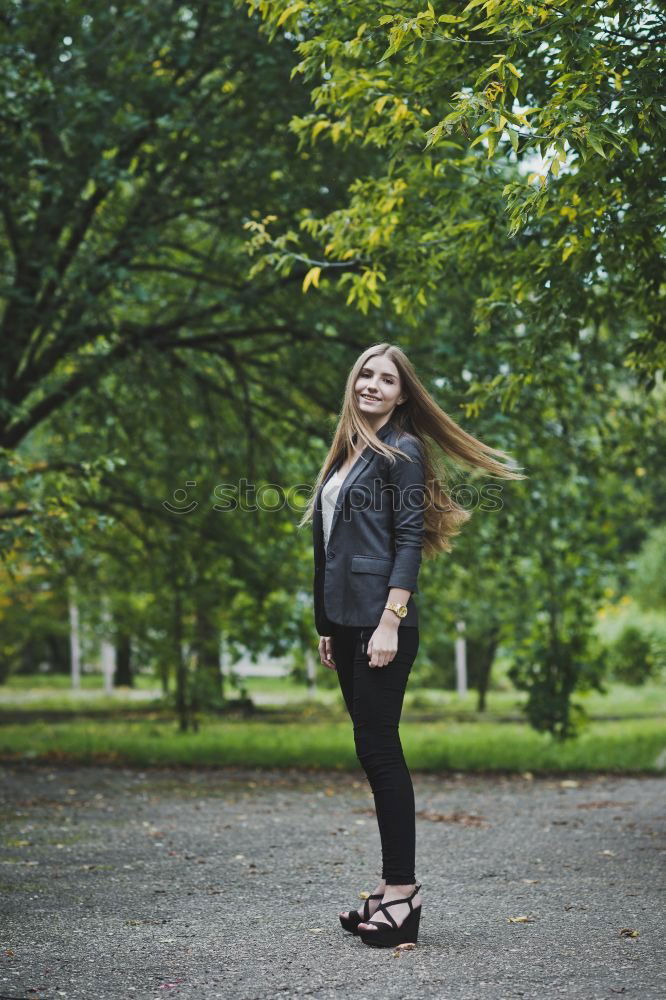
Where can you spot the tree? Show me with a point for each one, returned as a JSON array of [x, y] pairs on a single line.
[[649, 578], [127, 178], [127, 181], [522, 149]]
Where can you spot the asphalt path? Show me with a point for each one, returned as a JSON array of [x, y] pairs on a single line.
[[118, 883]]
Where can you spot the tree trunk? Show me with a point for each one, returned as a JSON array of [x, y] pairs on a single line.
[[485, 669], [124, 674], [207, 653]]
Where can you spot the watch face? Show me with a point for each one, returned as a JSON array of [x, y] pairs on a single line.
[[403, 611]]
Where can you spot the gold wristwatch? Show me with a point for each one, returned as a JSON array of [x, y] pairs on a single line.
[[400, 609]]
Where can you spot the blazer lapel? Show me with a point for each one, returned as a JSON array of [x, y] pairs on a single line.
[[361, 463], [317, 520], [353, 474]]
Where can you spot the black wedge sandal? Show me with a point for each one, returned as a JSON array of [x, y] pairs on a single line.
[[351, 922], [388, 937]]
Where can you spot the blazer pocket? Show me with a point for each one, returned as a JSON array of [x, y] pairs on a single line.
[[371, 564]]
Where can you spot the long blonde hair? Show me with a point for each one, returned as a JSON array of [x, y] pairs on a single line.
[[421, 417]]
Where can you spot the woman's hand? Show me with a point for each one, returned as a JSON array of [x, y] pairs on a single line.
[[326, 651], [384, 643]]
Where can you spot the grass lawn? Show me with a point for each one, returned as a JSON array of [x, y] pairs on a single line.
[[62, 682], [49, 694], [439, 729], [626, 746]]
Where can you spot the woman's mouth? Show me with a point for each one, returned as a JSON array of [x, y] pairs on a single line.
[[373, 399]]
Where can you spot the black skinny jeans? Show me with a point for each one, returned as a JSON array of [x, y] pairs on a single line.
[[374, 697]]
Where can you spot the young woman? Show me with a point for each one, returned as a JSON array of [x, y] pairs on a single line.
[[379, 504]]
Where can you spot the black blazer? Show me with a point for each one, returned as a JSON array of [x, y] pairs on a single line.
[[376, 536]]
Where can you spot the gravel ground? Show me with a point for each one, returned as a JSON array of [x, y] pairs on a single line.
[[119, 883]]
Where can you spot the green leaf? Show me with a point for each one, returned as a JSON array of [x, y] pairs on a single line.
[[493, 139], [596, 145], [293, 8], [312, 278]]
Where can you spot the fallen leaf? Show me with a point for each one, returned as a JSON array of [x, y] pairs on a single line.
[[569, 783], [465, 819], [521, 920], [602, 804], [629, 932], [607, 854]]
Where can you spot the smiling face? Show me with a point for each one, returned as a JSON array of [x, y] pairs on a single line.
[[378, 389]]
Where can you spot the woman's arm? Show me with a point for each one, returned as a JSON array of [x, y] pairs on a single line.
[[408, 499], [396, 595]]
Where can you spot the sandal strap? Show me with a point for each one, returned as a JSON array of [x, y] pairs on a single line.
[[384, 908], [379, 926], [366, 905], [382, 923], [405, 899]]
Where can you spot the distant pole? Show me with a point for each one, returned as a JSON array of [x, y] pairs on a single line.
[[108, 651], [74, 638], [461, 659]]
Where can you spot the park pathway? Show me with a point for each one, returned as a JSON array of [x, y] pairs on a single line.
[[119, 883]]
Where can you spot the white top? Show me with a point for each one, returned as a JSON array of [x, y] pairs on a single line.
[[329, 495]]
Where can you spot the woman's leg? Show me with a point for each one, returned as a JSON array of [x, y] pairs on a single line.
[[346, 639], [346, 644], [377, 696]]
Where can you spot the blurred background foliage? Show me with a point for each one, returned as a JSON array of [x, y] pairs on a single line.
[[208, 211]]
